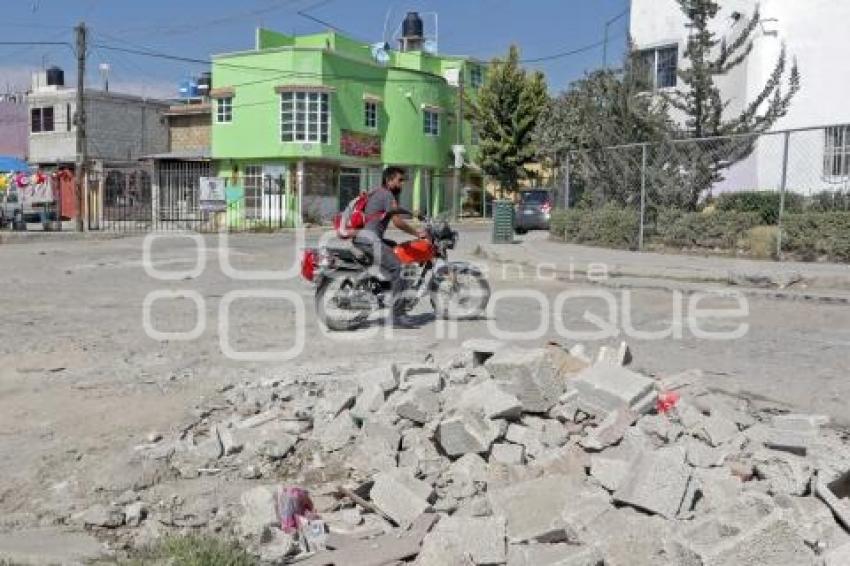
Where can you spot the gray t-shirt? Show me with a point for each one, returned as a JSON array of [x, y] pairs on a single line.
[[381, 200]]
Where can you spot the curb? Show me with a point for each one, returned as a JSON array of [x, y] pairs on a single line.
[[689, 286]]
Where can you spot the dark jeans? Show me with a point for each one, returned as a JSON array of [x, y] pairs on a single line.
[[385, 259]]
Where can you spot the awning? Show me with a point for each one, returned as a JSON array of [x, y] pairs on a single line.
[[8, 163]]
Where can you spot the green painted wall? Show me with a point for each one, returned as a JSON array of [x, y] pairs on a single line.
[[344, 65]]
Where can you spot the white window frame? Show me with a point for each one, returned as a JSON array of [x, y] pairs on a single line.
[[41, 129], [431, 122], [310, 124], [655, 61], [224, 110], [370, 114], [836, 156]]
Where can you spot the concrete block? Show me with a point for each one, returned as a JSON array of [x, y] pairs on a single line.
[[701, 455], [786, 440], [482, 350], [838, 556], [529, 375], [406, 372], [337, 396], [370, 400], [432, 381], [467, 433], [401, 496], [482, 539], [657, 483], [620, 356], [419, 405], [626, 537], [605, 388], [566, 363], [835, 498], [569, 460], [420, 454], [611, 473], [662, 427], [560, 554], [534, 509], [800, 423], [772, 541], [259, 511], [491, 400], [504, 453], [554, 434]]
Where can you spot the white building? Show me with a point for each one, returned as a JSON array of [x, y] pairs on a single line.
[[814, 33], [120, 128]]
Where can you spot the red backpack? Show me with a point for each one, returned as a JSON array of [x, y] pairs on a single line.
[[353, 219]]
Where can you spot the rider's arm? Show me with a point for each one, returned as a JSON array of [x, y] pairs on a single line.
[[404, 225]]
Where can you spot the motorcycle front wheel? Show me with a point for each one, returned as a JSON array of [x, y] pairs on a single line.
[[460, 293], [342, 305]]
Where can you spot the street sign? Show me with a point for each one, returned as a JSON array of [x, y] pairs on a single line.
[[212, 194]]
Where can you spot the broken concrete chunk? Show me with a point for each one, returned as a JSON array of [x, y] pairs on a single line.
[[800, 423], [338, 396], [626, 537], [453, 539], [338, 433], [491, 400], [102, 516], [784, 473], [467, 433], [554, 434], [259, 511], [657, 483], [835, 497], [534, 509], [529, 375], [135, 513], [504, 453], [604, 388], [772, 541], [401, 496], [527, 437], [717, 430], [620, 356], [418, 405], [838, 556], [370, 400], [566, 363], [405, 372], [560, 554], [610, 431], [701, 455]]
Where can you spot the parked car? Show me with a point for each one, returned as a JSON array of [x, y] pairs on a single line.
[[533, 210], [10, 204]]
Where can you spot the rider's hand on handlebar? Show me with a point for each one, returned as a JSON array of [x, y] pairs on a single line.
[[422, 234]]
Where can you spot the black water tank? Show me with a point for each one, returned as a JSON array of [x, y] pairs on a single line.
[[412, 26], [205, 84], [55, 77]]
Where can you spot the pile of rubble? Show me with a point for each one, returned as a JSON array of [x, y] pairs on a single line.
[[501, 455]]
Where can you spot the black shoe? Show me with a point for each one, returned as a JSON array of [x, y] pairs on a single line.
[[404, 321]]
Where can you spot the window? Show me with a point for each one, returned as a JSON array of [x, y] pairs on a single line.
[[476, 76], [660, 66], [253, 181], [69, 118], [836, 161], [431, 122], [304, 117], [370, 109], [42, 119], [224, 110]]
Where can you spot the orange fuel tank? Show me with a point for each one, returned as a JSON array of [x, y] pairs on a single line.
[[415, 251]]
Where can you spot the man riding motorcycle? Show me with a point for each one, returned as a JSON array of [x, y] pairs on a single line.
[[381, 209]]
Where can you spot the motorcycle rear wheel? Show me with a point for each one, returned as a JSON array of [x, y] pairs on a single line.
[[331, 309]]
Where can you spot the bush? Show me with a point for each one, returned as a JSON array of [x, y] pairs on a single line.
[[196, 550], [830, 201], [706, 230], [764, 203], [814, 235], [610, 226]]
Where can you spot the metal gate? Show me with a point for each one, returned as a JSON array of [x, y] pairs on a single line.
[[126, 201]]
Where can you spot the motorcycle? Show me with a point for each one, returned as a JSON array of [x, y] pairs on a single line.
[[349, 289]]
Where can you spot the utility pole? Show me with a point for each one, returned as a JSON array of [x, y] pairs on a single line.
[[459, 142], [80, 122]]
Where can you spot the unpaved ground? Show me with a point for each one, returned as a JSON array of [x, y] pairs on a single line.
[[80, 380]]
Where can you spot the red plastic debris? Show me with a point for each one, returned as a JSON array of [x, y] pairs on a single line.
[[294, 503], [666, 401]]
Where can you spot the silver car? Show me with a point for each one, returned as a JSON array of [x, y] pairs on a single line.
[[533, 210]]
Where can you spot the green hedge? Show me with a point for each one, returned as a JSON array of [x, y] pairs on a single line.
[[610, 226], [830, 201], [718, 229], [764, 203], [814, 235]]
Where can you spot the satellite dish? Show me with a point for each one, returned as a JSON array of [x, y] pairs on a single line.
[[430, 46], [380, 52]]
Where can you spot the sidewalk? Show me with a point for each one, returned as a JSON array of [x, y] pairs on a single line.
[[648, 269]]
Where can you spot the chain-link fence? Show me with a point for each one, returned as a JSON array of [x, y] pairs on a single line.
[[806, 168]]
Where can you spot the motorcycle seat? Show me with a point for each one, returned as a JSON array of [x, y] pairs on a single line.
[[352, 255]]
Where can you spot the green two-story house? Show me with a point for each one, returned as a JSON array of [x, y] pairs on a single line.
[[302, 124]]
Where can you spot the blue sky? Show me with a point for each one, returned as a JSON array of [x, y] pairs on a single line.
[[199, 28]]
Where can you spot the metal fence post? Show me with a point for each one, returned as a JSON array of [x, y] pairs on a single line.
[[782, 188], [642, 196], [567, 181]]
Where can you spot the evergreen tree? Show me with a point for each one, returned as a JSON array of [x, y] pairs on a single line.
[[505, 114], [701, 101]]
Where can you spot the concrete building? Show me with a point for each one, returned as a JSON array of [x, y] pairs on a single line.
[[13, 125], [813, 33], [121, 128], [304, 123]]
